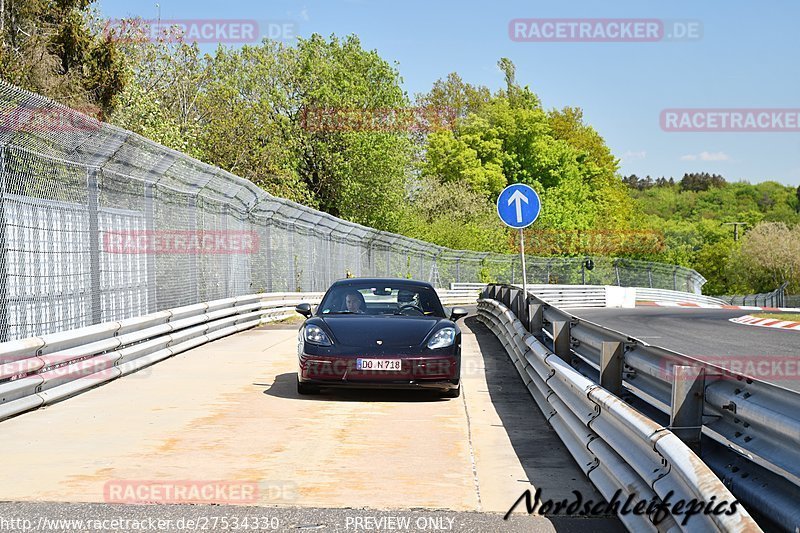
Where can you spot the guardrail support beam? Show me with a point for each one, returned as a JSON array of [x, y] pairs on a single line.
[[686, 419], [611, 364], [561, 340]]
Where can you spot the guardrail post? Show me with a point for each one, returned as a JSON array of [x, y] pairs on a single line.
[[561, 340], [611, 364], [93, 201], [686, 418], [535, 315], [511, 303], [522, 308]]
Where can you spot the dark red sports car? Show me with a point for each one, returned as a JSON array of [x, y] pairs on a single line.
[[380, 333]]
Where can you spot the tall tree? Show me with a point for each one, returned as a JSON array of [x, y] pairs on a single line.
[[55, 48]]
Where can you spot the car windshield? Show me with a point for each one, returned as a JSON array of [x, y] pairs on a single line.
[[394, 299]]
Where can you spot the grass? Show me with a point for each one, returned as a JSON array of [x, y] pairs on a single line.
[[794, 317]]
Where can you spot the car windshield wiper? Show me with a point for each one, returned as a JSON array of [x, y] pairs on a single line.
[[341, 313]]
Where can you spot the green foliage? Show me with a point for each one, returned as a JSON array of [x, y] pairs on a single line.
[[56, 48], [508, 138], [770, 255], [697, 226], [244, 110], [454, 216]]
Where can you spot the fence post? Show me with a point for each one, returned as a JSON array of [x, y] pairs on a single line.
[[611, 364], [195, 275], [675, 279], [150, 259], [268, 254], [291, 284], [4, 325], [686, 417], [561, 340], [93, 201]]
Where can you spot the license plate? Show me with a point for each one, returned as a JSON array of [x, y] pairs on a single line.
[[379, 364]]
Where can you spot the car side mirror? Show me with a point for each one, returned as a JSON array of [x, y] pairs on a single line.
[[458, 312], [304, 309]]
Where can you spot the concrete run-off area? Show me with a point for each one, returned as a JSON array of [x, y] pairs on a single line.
[[227, 414]]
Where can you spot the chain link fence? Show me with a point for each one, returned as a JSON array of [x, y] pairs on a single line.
[[776, 298], [98, 224]]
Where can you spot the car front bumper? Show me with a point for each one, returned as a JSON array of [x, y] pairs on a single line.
[[441, 372]]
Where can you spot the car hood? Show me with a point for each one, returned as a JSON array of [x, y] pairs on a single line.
[[392, 331]]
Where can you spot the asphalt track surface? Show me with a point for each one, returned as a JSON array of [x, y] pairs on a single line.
[[707, 334]]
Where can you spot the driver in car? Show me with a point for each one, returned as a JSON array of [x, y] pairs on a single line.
[[354, 302]]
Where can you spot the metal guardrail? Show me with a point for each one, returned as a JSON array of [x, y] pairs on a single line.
[[617, 447], [564, 295], [577, 296], [41, 370], [748, 431], [665, 295]]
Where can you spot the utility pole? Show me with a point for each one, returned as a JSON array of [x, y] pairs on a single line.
[[735, 228]]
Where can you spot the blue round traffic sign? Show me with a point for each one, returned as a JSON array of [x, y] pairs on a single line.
[[518, 206]]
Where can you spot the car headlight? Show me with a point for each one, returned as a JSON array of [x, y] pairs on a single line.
[[316, 335], [442, 338]]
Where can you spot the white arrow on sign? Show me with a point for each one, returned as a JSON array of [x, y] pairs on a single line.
[[519, 198]]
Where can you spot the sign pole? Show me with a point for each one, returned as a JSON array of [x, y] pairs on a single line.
[[518, 206], [522, 258]]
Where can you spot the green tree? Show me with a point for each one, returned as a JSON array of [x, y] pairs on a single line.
[[56, 48]]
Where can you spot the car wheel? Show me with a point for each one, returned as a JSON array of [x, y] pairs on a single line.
[[305, 388], [452, 393]]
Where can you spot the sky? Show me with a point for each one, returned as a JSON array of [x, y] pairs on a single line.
[[740, 56]]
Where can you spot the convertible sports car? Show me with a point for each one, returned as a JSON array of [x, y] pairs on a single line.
[[380, 333]]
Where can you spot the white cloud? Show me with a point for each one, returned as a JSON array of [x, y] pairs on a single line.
[[706, 156], [628, 156]]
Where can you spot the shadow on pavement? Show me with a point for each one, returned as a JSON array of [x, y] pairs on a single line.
[[543, 456], [285, 386]]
